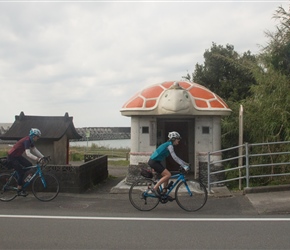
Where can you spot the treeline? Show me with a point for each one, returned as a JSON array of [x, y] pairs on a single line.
[[261, 83]]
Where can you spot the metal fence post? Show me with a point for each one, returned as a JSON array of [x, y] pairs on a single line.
[[247, 165], [208, 172]]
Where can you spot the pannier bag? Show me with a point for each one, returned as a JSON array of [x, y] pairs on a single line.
[[147, 173], [4, 163]]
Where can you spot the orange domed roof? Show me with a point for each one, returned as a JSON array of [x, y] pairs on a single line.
[[186, 98]]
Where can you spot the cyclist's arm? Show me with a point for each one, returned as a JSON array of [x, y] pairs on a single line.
[[175, 157], [37, 152], [32, 156]]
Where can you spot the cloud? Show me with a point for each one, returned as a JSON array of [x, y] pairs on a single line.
[[89, 58]]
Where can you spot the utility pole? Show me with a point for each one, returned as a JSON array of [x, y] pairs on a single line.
[[241, 128], [87, 135]]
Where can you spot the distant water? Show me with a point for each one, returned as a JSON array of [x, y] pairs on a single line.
[[124, 143]]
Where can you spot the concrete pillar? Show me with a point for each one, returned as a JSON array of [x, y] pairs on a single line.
[[137, 155]]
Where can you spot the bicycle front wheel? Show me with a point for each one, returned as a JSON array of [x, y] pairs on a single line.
[[45, 188], [8, 187], [191, 195], [140, 195]]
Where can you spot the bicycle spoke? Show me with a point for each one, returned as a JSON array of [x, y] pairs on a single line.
[[191, 195], [45, 190], [8, 187], [141, 197]]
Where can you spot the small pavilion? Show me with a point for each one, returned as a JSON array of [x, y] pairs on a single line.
[[186, 107], [56, 132]]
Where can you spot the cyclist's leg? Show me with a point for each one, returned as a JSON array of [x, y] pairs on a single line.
[[165, 177], [159, 168], [20, 173], [18, 163]]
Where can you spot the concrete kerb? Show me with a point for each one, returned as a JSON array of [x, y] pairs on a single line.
[[278, 188], [217, 192]]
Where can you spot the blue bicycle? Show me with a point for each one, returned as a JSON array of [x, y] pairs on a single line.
[[45, 186], [190, 195]]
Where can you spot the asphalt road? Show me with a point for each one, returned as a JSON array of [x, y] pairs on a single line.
[[139, 233], [99, 219]]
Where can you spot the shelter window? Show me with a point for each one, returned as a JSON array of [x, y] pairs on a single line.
[[145, 130], [205, 130]]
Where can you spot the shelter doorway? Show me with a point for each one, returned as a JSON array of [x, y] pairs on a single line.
[[164, 126]]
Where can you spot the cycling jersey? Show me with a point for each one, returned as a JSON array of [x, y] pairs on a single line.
[[19, 148], [25, 145], [165, 150]]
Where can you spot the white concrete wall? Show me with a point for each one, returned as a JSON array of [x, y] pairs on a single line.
[[140, 142], [203, 142], [211, 141]]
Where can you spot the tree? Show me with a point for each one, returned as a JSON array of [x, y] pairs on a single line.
[[229, 75], [225, 72], [277, 51], [267, 112], [268, 106]]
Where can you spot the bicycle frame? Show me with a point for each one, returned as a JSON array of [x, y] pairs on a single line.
[[179, 178], [189, 194], [37, 172]]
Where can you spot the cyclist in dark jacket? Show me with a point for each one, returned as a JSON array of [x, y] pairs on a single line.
[[16, 159], [163, 151]]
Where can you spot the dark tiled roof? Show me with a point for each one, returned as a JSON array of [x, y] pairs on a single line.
[[51, 127]]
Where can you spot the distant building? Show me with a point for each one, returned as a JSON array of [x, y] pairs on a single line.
[[56, 132], [4, 127], [104, 133]]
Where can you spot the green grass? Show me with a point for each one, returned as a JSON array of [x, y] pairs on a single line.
[[118, 163], [77, 154]]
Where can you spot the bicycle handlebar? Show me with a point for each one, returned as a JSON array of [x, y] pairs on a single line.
[[183, 170], [44, 161]]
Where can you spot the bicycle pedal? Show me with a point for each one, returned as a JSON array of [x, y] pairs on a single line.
[[21, 193], [170, 198]]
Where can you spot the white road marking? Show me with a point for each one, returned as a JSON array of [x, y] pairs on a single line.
[[139, 218]]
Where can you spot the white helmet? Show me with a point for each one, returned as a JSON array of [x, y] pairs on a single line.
[[35, 132], [174, 135]]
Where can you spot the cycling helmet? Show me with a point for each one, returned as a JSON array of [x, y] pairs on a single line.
[[35, 132], [174, 135]]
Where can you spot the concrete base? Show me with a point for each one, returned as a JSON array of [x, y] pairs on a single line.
[[220, 192], [123, 188]]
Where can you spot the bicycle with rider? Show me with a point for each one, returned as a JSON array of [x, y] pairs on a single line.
[[163, 151], [16, 159]]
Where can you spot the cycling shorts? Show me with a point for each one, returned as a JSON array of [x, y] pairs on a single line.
[[156, 165]]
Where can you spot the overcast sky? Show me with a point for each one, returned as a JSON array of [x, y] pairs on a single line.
[[88, 58]]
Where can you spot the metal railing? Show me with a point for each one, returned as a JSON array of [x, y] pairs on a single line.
[[245, 169]]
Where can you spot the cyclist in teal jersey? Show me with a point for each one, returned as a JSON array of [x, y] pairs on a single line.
[[163, 151]]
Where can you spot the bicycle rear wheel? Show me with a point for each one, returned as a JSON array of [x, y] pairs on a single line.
[[47, 191], [191, 195], [141, 196], [8, 187]]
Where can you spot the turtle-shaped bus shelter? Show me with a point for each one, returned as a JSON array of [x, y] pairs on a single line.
[[183, 106]]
